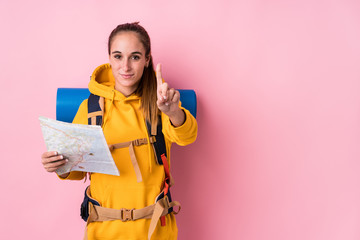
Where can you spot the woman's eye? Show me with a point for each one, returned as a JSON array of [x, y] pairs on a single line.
[[135, 57], [117, 56]]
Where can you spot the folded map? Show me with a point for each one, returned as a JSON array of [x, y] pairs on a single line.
[[83, 145]]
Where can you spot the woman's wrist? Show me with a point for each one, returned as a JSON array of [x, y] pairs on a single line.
[[177, 118]]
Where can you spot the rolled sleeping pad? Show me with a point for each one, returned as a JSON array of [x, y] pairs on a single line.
[[68, 101]]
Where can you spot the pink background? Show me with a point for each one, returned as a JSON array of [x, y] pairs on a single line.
[[277, 155]]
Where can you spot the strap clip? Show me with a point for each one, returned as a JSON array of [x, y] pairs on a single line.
[[139, 142], [166, 202], [152, 139], [127, 214]]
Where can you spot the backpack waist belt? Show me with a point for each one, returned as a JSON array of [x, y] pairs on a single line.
[[153, 212]]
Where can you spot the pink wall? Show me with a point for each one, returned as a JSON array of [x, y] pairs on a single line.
[[277, 155]]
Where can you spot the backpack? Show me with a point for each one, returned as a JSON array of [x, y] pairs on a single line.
[[90, 208]]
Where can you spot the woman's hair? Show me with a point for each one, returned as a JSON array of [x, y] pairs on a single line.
[[148, 84]]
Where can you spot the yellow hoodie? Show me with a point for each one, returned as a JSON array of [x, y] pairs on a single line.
[[122, 122]]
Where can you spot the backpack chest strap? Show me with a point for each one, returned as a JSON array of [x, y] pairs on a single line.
[[130, 145]]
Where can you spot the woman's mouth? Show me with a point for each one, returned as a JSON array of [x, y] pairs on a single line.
[[126, 76]]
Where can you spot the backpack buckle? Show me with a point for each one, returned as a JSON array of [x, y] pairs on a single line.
[[127, 214]]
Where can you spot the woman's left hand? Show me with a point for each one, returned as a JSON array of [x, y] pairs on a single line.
[[168, 100]]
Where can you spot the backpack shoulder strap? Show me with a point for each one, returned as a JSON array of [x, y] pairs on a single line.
[[95, 110], [159, 145]]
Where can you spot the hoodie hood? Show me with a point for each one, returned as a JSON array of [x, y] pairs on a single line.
[[102, 83]]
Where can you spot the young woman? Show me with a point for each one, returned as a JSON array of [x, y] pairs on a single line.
[[133, 95]]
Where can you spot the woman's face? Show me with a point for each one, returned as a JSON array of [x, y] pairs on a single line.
[[127, 60]]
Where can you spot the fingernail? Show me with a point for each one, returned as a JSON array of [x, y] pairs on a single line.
[[61, 156], [55, 153], [167, 104], [165, 97]]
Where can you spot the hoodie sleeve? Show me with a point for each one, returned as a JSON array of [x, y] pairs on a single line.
[[80, 118], [184, 134]]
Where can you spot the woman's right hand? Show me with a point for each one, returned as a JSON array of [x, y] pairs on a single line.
[[52, 161]]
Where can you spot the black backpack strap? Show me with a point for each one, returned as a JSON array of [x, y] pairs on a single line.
[[159, 145], [84, 209], [95, 110]]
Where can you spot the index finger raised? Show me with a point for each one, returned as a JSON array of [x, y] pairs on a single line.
[[158, 74]]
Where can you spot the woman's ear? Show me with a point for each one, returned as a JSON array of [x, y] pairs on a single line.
[[147, 61]]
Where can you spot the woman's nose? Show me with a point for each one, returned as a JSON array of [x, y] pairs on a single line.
[[126, 65]]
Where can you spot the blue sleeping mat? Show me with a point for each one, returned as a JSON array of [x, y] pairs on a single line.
[[68, 101]]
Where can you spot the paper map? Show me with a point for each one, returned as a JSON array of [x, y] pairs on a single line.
[[83, 145]]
